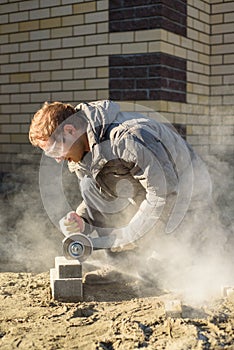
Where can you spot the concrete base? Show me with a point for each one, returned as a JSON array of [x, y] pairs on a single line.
[[66, 280]]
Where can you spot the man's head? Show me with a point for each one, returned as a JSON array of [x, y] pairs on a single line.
[[59, 130]]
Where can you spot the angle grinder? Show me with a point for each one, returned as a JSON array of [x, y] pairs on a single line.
[[79, 246]]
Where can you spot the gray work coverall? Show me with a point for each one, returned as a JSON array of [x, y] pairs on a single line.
[[139, 174]]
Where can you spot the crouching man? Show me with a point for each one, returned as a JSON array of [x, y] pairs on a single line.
[[139, 180]]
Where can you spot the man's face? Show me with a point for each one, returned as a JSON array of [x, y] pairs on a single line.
[[69, 145]]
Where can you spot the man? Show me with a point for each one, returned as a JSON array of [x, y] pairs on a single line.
[[138, 178]]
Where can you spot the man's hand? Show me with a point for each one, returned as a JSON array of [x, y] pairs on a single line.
[[71, 223], [120, 247]]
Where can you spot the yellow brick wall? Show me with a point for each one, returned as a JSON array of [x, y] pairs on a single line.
[[222, 76], [58, 50]]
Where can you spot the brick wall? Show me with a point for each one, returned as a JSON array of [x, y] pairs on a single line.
[[125, 15], [148, 76], [222, 76], [68, 50]]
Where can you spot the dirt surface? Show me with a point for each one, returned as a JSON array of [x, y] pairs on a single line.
[[117, 316]]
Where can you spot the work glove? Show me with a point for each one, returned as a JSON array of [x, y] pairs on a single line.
[[123, 242], [123, 248], [71, 223]]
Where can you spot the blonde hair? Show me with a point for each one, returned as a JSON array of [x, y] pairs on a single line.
[[47, 119]]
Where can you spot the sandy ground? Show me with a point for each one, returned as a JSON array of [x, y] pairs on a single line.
[[118, 316]]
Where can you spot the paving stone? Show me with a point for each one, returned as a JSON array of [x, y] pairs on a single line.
[[173, 308], [65, 289], [227, 291], [230, 292], [68, 268]]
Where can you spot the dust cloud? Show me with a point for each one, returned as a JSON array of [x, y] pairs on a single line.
[[29, 241], [195, 264], [196, 260]]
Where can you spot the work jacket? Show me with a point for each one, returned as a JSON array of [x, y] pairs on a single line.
[[136, 165]]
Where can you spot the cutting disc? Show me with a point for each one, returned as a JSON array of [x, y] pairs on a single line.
[[77, 246]]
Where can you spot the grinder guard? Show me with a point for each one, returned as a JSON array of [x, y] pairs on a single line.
[[77, 246]]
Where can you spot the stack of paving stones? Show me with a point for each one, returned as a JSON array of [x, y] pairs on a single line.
[[66, 280]]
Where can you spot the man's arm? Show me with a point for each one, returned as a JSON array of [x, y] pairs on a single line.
[[155, 171]]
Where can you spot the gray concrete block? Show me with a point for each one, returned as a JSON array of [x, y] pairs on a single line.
[[173, 308], [68, 268], [66, 289]]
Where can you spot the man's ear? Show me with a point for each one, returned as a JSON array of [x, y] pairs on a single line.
[[69, 129]]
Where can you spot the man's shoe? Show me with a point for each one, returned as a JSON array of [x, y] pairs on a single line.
[[105, 275]]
